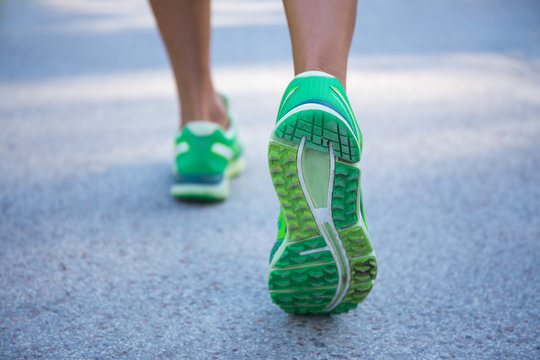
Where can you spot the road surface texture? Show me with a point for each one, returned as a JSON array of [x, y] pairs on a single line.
[[97, 261]]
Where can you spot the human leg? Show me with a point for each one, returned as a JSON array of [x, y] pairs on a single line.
[[321, 34], [185, 29], [207, 150]]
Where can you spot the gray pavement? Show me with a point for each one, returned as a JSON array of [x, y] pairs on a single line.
[[98, 262]]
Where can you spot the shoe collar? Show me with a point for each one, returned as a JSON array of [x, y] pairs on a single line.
[[202, 127], [206, 128], [314, 73]]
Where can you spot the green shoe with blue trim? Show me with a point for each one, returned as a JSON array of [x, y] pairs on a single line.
[[207, 156], [322, 262]]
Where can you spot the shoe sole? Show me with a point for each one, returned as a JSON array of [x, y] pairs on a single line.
[[325, 264], [201, 192], [320, 125], [209, 192]]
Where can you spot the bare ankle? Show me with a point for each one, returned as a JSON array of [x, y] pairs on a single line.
[[203, 107], [219, 112]]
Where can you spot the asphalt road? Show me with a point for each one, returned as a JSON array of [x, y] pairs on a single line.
[[98, 262]]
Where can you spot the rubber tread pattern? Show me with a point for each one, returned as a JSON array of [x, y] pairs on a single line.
[[343, 307], [305, 277], [305, 284], [304, 310], [357, 293], [291, 255], [362, 263], [363, 270], [319, 127], [303, 298], [300, 222], [355, 242], [345, 195]]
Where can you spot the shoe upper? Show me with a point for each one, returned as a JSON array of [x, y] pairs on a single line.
[[203, 148]]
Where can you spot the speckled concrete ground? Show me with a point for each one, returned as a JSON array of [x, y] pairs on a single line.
[[98, 262]]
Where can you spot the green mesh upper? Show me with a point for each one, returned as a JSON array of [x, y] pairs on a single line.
[[201, 157]]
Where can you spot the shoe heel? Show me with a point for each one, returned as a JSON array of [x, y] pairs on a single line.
[[319, 124]]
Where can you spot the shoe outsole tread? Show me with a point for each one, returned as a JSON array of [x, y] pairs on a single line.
[[320, 127], [344, 196], [303, 280]]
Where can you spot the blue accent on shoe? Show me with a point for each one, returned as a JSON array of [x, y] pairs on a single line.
[[198, 179], [362, 206], [327, 104]]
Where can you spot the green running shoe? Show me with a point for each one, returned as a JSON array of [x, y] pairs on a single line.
[[322, 262], [206, 157]]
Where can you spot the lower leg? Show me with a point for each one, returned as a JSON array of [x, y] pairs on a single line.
[[321, 34], [185, 29]]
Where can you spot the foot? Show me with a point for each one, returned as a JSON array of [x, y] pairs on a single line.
[[206, 157], [322, 262]]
